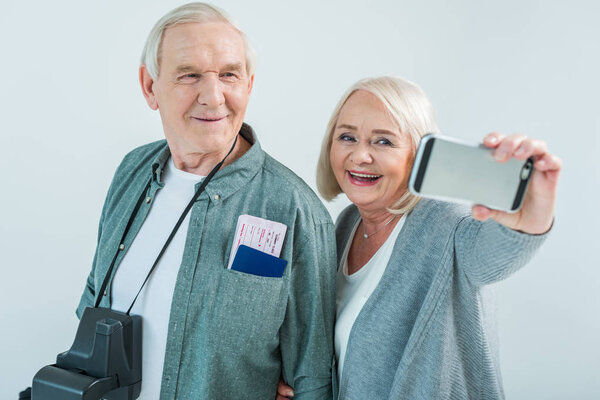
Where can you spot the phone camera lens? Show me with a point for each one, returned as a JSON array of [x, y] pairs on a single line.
[[525, 171]]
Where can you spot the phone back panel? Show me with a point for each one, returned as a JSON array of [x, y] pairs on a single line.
[[469, 173]]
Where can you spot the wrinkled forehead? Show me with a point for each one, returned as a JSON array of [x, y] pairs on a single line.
[[186, 43]]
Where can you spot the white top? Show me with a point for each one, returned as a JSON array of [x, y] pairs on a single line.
[[354, 290], [154, 302]]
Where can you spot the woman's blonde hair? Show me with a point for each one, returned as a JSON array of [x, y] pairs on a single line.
[[409, 107]]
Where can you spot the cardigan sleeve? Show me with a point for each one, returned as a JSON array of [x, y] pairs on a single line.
[[487, 252]]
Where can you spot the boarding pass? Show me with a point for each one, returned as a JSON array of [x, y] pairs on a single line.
[[258, 233]]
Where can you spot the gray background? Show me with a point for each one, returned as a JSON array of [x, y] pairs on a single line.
[[71, 108]]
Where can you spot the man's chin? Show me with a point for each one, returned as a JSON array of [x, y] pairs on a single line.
[[212, 142]]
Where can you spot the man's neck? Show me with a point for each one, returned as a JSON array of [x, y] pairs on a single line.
[[203, 163]]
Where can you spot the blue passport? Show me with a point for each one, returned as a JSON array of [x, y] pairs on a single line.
[[256, 262]]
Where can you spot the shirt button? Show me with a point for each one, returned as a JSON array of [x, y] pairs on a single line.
[[121, 246], [148, 200], [217, 197], [105, 292]]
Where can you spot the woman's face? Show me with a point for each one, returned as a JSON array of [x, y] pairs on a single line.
[[370, 157]]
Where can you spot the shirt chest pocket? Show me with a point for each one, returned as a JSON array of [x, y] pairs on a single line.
[[249, 307]]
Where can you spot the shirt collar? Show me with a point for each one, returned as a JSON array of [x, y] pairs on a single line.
[[230, 178]]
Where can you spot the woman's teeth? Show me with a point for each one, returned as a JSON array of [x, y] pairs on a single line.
[[364, 177]]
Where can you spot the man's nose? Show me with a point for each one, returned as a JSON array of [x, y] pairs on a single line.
[[210, 92]]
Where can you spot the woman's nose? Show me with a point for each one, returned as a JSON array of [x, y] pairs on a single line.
[[361, 155]]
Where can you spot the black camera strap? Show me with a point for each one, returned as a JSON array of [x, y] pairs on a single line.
[[171, 236]]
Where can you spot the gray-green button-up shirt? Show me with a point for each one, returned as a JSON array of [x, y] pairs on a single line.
[[232, 334]]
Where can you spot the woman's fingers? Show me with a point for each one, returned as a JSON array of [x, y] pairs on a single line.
[[530, 147], [493, 139], [508, 146], [482, 213], [284, 391], [548, 162], [537, 211], [516, 145]]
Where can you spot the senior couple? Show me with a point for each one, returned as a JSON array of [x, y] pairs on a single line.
[[405, 280]]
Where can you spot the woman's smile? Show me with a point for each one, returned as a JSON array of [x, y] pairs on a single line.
[[363, 178]]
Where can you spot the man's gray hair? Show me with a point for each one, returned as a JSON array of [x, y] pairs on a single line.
[[191, 12]]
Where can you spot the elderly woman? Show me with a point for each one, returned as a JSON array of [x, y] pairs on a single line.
[[414, 319]]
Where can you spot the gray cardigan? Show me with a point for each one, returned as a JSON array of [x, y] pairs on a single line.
[[428, 330]]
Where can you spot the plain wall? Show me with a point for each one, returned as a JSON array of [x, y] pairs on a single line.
[[71, 108]]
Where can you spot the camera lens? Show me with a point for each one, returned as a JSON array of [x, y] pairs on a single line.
[[526, 170]]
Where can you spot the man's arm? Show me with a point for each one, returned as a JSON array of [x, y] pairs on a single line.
[[306, 336], [88, 296], [89, 292]]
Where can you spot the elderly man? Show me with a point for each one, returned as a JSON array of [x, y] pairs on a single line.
[[210, 331]]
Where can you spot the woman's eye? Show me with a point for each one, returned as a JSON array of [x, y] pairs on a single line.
[[344, 137], [383, 141]]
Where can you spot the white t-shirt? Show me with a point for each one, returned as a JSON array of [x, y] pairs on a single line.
[[354, 290], [154, 302]]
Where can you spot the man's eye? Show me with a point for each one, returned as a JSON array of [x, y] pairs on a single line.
[[189, 77], [229, 76]]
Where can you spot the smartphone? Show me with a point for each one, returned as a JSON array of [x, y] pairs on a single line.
[[450, 169]]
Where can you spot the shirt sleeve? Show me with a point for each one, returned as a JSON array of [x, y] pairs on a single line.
[[306, 336], [88, 297], [488, 252], [89, 291]]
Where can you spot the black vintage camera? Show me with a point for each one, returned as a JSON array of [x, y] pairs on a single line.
[[105, 361]]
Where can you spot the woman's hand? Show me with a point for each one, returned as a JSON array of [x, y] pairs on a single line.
[[284, 392], [537, 212]]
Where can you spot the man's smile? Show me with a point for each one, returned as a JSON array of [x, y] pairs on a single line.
[[209, 119]]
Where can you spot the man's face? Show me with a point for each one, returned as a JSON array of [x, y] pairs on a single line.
[[202, 88]]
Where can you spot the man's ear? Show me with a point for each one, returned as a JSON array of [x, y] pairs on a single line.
[[147, 83], [250, 84]]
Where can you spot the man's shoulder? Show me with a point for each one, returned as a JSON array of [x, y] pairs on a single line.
[[135, 167], [286, 186], [143, 155], [152, 147]]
